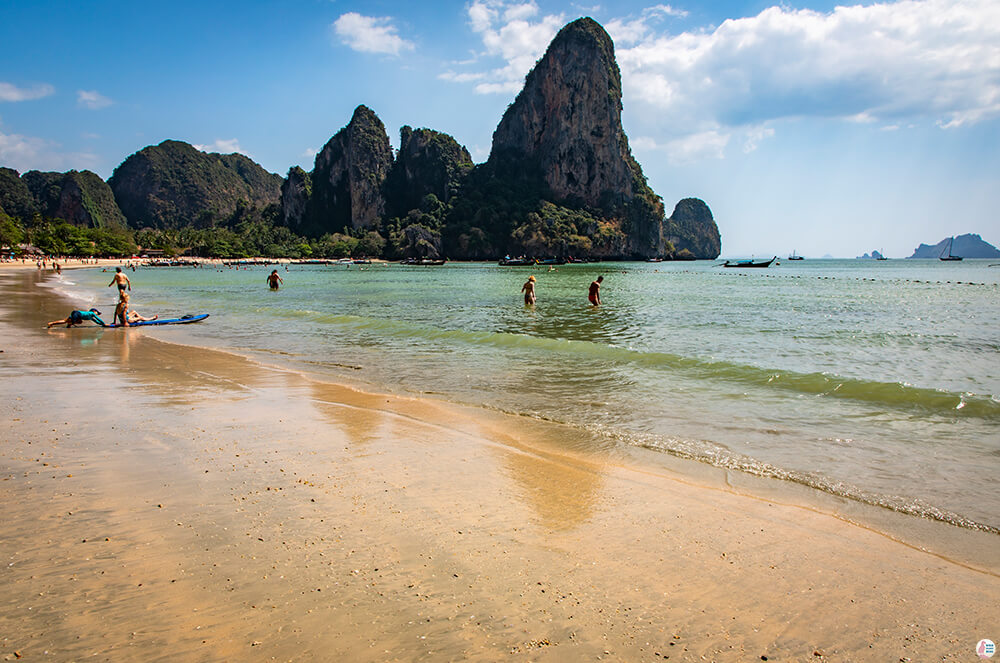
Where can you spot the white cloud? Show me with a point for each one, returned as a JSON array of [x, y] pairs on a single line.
[[520, 12], [512, 33], [224, 146], [468, 77], [369, 34], [703, 91], [666, 10], [625, 31], [10, 92], [697, 147], [92, 99], [754, 136], [936, 59], [24, 153], [703, 145]]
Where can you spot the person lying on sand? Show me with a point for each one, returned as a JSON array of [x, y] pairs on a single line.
[[77, 318]]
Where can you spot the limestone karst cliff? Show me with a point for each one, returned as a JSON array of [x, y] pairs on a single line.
[[78, 197], [691, 227], [428, 162], [565, 130], [560, 181], [349, 173], [173, 184]]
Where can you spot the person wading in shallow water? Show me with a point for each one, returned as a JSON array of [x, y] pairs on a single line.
[[595, 291], [121, 280], [274, 280], [529, 291]]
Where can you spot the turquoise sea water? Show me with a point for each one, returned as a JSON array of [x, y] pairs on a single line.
[[876, 381]]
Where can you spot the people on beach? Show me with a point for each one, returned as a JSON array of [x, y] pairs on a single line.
[[595, 291], [529, 291], [121, 310], [273, 279], [133, 316], [77, 318], [121, 280]]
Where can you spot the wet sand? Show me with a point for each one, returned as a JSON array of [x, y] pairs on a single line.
[[163, 502]]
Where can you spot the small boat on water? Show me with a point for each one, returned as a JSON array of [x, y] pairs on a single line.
[[951, 240], [750, 263], [795, 256], [425, 262], [507, 261]]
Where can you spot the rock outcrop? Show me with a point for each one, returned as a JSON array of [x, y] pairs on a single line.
[[16, 199], [564, 129], [692, 228], [173, 184], [78, 197], [966, 246], [348, 176], [428, 163], [295, 193], [567, 122]]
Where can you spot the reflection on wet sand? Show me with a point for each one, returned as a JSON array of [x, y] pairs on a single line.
[[259, 531]]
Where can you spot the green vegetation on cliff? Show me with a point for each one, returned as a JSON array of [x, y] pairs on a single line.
[[172, 185], [560, 181]]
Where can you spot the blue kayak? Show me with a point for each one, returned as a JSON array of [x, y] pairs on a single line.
[[183, 320]]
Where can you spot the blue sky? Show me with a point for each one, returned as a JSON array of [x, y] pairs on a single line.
[[823, 129]]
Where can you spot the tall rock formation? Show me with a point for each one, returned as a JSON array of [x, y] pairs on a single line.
[[429, 162], [173, 184], [348, 176], [16, 199], [564, 129], [78, 197], [295, 193], [692, 228]]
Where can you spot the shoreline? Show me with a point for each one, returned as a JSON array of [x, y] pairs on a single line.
[[912, 522], [506, 543]]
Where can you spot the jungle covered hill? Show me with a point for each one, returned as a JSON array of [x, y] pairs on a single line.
[[560, 181]]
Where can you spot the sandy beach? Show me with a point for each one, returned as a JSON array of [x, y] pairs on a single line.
[[166, 502]]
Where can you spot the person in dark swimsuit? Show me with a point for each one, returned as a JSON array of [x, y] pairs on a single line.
[[273, 279], [121, 280]]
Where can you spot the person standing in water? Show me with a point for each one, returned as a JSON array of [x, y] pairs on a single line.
[[595, 291], [274, 280], [121, 280], [529, 291]]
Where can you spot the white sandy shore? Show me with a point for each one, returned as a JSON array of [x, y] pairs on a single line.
[[162, 502]]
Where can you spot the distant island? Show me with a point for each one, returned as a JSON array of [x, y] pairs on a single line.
[[966, 246], [874, 255], [560, 182]]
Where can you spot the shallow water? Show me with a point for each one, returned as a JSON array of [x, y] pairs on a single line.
[[878, 381]]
